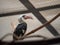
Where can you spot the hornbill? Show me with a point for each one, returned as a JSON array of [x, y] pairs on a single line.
[[21, 28]]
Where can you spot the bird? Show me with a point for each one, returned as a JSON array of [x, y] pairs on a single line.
[[21, 28]]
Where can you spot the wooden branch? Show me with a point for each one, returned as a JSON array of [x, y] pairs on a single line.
[[38, 27], [40, 36], [42, 26]]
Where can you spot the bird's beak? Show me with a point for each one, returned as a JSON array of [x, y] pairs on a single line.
[[28, 17]]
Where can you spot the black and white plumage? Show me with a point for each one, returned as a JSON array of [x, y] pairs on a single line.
[[21, 27]]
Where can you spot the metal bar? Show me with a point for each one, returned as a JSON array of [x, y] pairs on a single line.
[[31, 8], [37, 42], [27, 11]]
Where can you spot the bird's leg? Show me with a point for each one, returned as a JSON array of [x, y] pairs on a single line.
[[23, 31]]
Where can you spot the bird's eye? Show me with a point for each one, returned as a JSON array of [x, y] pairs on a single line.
[[23, 16]]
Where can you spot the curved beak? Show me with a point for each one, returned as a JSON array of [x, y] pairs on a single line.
[[28, 17]]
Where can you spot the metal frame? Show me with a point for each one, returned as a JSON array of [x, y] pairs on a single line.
[[32, 9]]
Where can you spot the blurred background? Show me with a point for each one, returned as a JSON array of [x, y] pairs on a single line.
[[10, 10]]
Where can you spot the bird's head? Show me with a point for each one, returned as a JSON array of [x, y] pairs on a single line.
[[27, 17]]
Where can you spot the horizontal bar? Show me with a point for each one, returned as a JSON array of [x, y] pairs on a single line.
[[42, 42], [27, 11]]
